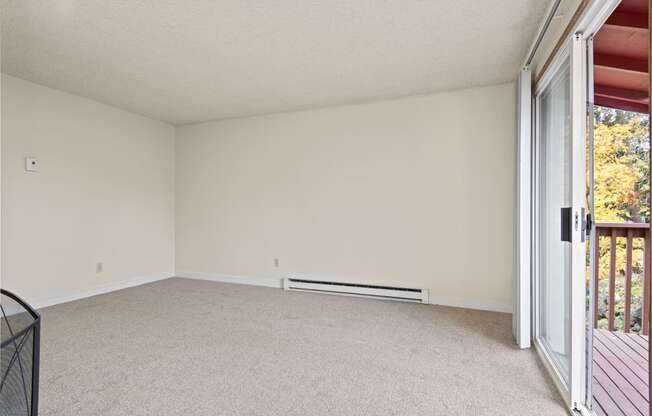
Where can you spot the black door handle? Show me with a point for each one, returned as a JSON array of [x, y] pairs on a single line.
[[567, 224], [588, 225]]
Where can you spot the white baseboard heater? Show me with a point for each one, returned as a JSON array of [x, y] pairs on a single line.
[[355, 289]]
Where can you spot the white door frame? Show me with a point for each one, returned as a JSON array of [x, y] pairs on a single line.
[[572, 389], [588, 392], [523, 242], [576, 394], [566, 53], [589, 25], [578, 283]]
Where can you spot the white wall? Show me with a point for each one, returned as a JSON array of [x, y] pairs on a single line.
[[104, 193], [410, 192]]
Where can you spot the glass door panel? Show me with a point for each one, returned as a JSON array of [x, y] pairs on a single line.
[[555, 210], [559, 240]]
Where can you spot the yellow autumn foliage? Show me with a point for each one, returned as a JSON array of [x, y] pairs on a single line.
[[622, 194]]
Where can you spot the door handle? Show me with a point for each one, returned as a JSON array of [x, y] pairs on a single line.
[[585, 220], [567, 224], [588, 224]]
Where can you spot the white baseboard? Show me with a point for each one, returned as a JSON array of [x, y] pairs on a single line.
[[243, 280], [278, 283], [225, 278], [470, 304], [97, 290]]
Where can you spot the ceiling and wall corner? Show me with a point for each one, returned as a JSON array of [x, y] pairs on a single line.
[[99, 212], [550, 40], [185, 62]]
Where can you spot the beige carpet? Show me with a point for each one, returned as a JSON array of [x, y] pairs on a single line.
[[190, 347]]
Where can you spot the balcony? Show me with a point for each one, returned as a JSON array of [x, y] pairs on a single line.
[[620, 340]]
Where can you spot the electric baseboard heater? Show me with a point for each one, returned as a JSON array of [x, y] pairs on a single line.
[[404, 294]]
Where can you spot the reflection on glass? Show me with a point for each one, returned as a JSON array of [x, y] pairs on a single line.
[[555, 194]]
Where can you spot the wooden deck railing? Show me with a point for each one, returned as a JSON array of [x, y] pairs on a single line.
[[629, 232]]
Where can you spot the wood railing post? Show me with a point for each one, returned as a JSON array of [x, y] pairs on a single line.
[[631, 232], [628, 283], [647, 269], [612, 281], [596, 279]]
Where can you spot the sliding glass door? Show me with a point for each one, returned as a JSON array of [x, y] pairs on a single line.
[[559, 208], [555, 184]]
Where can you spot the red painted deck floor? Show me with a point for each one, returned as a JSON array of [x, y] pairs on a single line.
[[620, 374]]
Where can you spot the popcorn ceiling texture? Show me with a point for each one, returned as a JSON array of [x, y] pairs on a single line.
[[188, 61]]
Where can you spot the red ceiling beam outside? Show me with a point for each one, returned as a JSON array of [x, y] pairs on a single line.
[[628, 21], [622, 94], [621, 82], [621, 105], [620, 63]]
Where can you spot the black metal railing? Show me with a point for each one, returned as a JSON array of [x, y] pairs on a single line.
[[20, 332]]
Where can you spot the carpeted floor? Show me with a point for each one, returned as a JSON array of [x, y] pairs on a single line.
[[190, 347]]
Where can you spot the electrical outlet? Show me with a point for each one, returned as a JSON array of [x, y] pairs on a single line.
[[275, 262], [99, 267]]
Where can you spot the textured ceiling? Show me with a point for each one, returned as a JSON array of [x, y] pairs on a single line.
[[184, 61]]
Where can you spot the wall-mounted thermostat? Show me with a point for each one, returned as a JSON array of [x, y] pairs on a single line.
[[31, 164]]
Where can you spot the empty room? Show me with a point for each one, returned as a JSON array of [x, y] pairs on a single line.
[[350, 207]]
